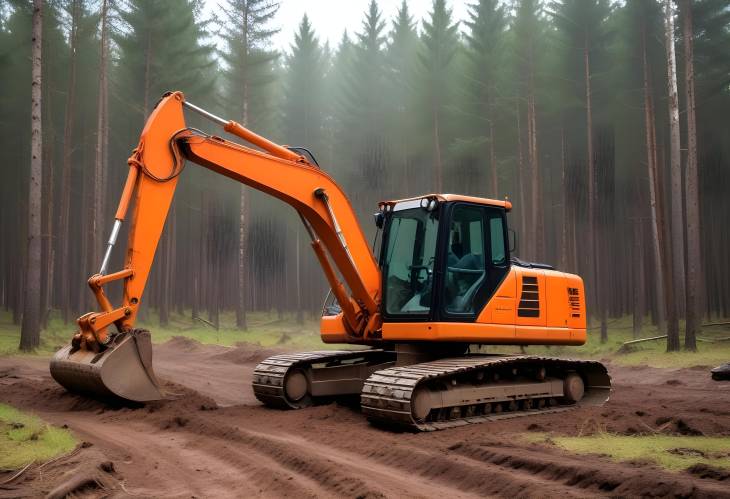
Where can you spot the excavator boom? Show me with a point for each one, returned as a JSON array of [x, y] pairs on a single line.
[[107, 356]]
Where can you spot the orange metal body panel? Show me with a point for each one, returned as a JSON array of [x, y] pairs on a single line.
[[500, 323], [488, 334], [332, 329]]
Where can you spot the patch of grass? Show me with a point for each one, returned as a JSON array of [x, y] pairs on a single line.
[[25, 438], [269, 329], [670, 452], [265, 329], [651, 353]]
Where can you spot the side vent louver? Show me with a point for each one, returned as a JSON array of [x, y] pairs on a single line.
[[530, 298], [574, 302]]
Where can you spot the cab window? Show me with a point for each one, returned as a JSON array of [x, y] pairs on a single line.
[[465, 260], [409, 261]]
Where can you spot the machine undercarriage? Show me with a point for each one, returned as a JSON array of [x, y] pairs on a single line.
[[397, 392]]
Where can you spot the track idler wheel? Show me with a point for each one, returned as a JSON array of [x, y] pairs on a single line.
[[573, 388], [296, 389]]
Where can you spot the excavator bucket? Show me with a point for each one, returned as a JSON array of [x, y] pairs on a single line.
[[123, 370]]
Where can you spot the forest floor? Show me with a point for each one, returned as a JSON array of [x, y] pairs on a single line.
[[664, 431]]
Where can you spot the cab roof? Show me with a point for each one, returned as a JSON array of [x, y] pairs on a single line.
[[506, 204]]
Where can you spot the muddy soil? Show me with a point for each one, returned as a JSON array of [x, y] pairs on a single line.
[[213, 439]]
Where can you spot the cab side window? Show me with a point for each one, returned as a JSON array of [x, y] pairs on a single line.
[[465, 262]]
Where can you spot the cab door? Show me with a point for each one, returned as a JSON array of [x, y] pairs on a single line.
[[475, 260]]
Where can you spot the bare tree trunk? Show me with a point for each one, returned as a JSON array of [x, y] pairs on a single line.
[[99, 194], [64, 216], [592, 255], [300, 311], [521, 178], [675, 169], [493, 159], [694, 253], [166, 270], [673, 241], [563, 204], [30, 333], [147, 75], [534, 161], [651, 161], [47, 240], [438, 166], [639, 284]]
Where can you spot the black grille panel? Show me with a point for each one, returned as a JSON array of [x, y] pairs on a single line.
[[574, 301], [530, 299]]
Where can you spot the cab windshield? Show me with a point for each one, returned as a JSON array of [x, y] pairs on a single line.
[[409, 261]]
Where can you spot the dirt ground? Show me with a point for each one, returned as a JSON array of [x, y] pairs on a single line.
[[213, 439]]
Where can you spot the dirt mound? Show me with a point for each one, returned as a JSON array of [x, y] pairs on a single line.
[[245, 354], [183, 344], [709, 472]]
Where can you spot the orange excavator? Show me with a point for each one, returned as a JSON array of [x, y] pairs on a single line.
[[443, 282]]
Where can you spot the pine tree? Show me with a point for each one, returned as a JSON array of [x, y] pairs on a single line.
[[304, 96], [527, 30], [402, 71], [248, 73], [440, 45], [485, 44], [304, 113], [583, 28], [162, 48]]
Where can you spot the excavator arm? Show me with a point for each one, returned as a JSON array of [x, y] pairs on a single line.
[[165, 143]]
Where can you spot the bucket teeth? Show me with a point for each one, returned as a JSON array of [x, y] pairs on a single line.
[[123, 370]]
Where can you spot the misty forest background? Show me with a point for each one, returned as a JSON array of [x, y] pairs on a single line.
[[567, 107]]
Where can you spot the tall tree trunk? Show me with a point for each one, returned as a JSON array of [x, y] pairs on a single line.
[[521, 178], [438, 166], [534, 161], [563, 204], [493, 158], [592, 256], [47, 240], [655, 211], [675, 169], [147, 76], [65, 211], [672, 238], [300, 310], [99, 165], [639, 283], [30, 333], [694, 253]]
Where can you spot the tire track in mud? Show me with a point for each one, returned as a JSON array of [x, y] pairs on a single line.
[[443, 474], [604, 477]]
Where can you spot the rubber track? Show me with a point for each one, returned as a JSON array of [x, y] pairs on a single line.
[[269, 375], [386, 394]]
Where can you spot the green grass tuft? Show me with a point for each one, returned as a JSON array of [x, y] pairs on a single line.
[[668, 451], [25, 438]]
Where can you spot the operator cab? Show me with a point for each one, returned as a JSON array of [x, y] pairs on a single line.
[[442, 256]]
